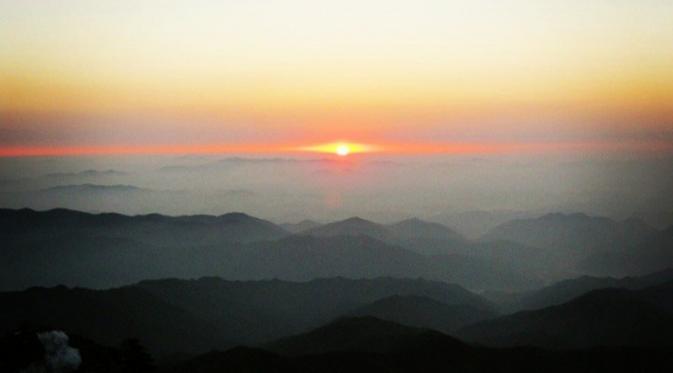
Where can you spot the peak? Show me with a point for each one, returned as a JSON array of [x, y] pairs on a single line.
[[235, 215], [354, 223], [367, 334], [415, 221], [355, 219], [63, 211]]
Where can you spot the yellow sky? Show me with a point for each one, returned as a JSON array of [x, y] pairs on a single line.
[[370, 68]]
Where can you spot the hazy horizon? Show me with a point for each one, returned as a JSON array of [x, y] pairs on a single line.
[[441, 107], [325, 188]]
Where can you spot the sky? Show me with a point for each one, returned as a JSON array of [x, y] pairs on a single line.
[[313, 109], [471, 77]]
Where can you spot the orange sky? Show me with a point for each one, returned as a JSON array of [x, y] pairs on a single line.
[[461, 148], [83, 77]]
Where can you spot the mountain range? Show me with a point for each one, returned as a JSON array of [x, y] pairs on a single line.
[[605, 317], [103, 250], [424, 312], [565, 290], [370, 344], [74, 248], [195, 315], [336, 324]]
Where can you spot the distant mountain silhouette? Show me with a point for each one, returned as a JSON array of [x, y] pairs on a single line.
[[78, 260], [474, 224], [270, 309], [552, 247], [93, 188], [100, 262], [607, 317], [437, 358], [103, 250], [414, 234], [154, 229], [415, 228], [425, 237], [537, 263], [516, 265], [306, 257], [571, 231], [424, 312], [566, 290], [654, 253], [369, 344], [363, 334], [481, 273], [300, 227], [572, 237], [198, 315], [354, 226], [352, 344], [86, 173]]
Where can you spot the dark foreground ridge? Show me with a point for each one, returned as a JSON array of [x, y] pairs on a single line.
[[179, 321], [345, 345], [373, 345]]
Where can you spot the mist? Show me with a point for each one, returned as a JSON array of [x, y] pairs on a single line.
[[385, 189]]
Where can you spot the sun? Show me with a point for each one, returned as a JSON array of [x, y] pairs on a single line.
[[342, 150]]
